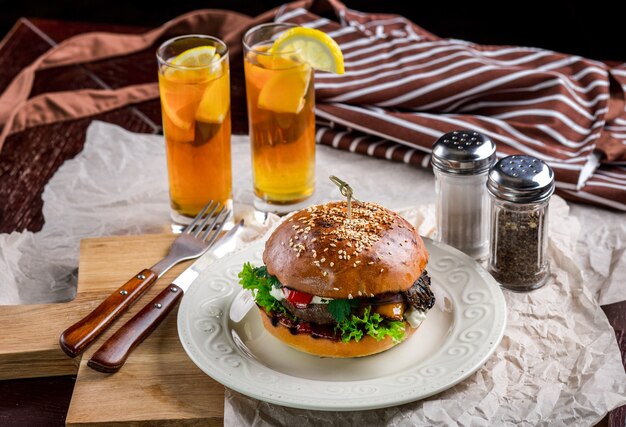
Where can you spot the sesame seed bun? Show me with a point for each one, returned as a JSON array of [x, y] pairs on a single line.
[[319, 251], [323, 347]]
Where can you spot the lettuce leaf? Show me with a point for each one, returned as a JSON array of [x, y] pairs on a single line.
[[262, 273], [341, 308], [373, 325], [260, 282]]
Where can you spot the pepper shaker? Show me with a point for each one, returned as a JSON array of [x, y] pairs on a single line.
[[520, 188], [461, 160]]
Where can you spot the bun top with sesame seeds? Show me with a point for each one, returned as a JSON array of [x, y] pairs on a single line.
[[320, 251]]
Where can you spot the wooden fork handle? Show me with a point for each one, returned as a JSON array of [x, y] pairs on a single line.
[[112, 355], [77, 337]]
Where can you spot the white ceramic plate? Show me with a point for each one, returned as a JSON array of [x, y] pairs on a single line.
[[221, 331]]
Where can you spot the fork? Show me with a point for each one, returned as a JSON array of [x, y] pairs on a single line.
[[189, 245], [112, 355]]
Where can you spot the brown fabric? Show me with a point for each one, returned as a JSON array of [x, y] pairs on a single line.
[[18, 112], [403, 88], [61, 106]]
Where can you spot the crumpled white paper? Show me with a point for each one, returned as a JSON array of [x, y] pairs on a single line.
[[601, 252], [558, 363]]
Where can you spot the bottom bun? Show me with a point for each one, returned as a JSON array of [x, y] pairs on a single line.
[[325, 347]]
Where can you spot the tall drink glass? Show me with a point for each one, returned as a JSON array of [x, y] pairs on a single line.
[[281, 101], [195, 104]]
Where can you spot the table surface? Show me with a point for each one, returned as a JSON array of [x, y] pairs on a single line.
[[30, 158]]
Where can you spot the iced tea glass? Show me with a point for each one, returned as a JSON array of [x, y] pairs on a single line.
[[281, 101], [194, 87]]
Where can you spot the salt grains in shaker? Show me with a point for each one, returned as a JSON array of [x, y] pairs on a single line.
[[520, 187], [461, 161]]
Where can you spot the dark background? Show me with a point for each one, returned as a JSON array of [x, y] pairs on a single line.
[[595, 29]]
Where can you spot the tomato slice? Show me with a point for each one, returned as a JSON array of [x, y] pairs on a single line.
[[299, 299]]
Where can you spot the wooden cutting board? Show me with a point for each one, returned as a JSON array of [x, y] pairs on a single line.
[[158, 385]]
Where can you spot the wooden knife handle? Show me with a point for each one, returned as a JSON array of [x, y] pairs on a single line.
[[78, 336], [111, 356]]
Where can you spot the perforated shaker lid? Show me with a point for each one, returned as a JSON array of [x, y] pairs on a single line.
[[463, 152], [521, 179]]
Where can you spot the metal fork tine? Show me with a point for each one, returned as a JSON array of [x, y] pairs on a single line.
[[222, 218], [213, 237], [198, 217], [206, 220], [218, 221]]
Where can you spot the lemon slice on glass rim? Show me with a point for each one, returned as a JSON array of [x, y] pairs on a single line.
[[312, 46], [194, 64]]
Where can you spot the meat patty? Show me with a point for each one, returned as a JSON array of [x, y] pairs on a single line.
[[314, 313]]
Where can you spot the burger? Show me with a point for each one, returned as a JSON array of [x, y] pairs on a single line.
[[339, 285]]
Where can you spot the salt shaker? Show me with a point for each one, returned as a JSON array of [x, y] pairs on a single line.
[[520, 188], [461, 160]]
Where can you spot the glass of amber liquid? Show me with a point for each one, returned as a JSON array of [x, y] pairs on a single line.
[[194, 88], [281, 101]]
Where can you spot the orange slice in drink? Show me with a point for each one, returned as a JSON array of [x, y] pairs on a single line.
[[215, 101], [179, 103], [284, 91], [276, 62]]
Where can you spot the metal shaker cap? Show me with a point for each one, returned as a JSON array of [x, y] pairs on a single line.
[[521, 179], [463, 152]]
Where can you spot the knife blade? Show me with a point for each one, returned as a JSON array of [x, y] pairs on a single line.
[[112, 355]]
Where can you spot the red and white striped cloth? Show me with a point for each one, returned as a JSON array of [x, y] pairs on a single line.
[[404, 87]]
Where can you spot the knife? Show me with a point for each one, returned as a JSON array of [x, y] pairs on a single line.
[[112, 355]]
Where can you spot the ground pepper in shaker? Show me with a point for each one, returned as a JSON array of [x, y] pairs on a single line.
[[461, 160], [520, 188]]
